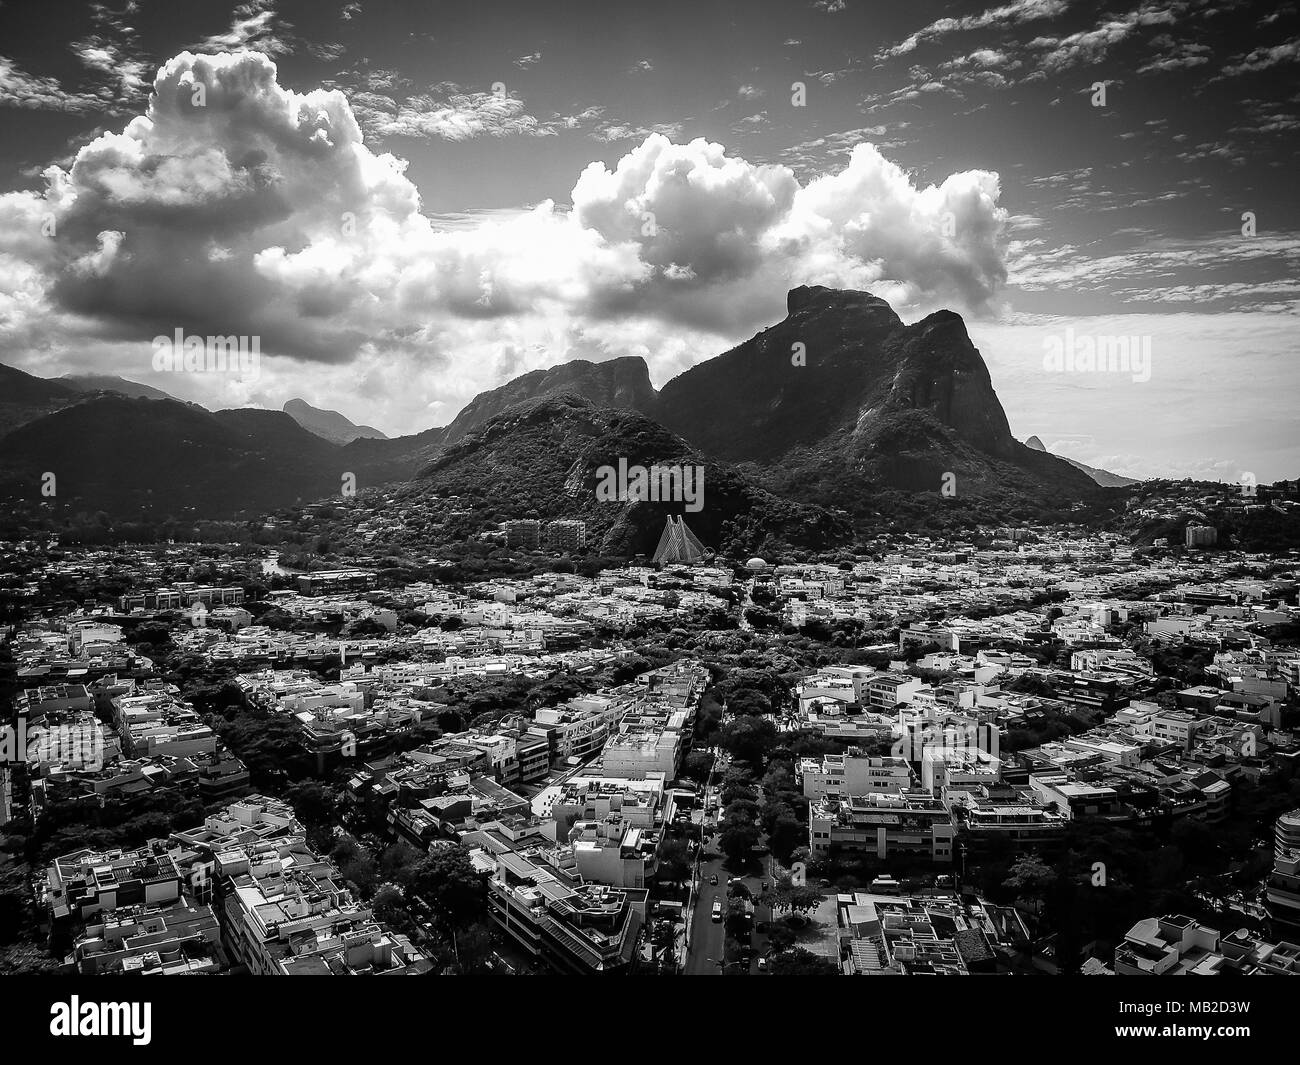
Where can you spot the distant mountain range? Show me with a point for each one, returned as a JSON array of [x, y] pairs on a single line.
[[329, 424], [829, 408], [1103, 477], [94, 382]]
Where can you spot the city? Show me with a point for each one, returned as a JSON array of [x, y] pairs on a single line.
[[1033, 750], [766, 488]]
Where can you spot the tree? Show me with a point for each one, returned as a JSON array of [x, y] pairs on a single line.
[[789, 897], [784, 830], [748, 738], [697, 766], [674, 861], [800, 962], [738, 838], [1030, 878], [448, 884]]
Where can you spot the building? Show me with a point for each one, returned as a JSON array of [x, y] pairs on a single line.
[[1177, 727], [566, 535], [642, 749], [86, 882], [181, 596], [1283, 886], [179, 938], [579, 728], [524, 534], [1179, 946], [285, 911], [853, 773], [880, 825], [558, 921], [886, 935], [677, 544], [1202, 535], [331, 582], [887, 691]]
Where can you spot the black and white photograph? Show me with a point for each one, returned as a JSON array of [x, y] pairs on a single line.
[[740, 487]]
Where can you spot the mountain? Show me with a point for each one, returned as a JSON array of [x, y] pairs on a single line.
[[95, 382], [1102, 477], [134, 457], [329, 424], [24, 397], [842, 398], [840, 405], [622, 382], [544, 458]]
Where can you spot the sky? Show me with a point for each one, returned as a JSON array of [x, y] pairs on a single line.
[[406, 204]]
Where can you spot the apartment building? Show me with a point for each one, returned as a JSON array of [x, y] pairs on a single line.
[[1175, 945], [565, 925], [880, 825], [566, 535], [992, 813], [181, 596], [886, 692], [87, 881], [525, 534], [180, 938], [853, 773], [1283, 886], [957, 767], [332, 582], [643, 749], [579, 728], [1178, 728], [286, 911], [913, 936]]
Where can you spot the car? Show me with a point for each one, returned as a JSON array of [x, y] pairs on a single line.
[[714, 879], [762, 965], [717, 909]]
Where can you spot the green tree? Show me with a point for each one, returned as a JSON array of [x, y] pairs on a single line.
[[448, 884]]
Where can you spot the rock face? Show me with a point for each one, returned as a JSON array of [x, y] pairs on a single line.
[[329, 424], [619, 383], [843, 380]]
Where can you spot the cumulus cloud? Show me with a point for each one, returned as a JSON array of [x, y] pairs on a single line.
[[236, 206]]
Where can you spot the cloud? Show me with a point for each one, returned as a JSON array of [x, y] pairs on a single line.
[[456, 117], [1263, 58], [20, 89], [1011, 14], [264, 213], [255, 25], [1090, 46]]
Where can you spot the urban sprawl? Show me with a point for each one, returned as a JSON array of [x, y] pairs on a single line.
[[1026, 750]]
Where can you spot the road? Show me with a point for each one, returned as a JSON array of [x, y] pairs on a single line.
[[708, 936]]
